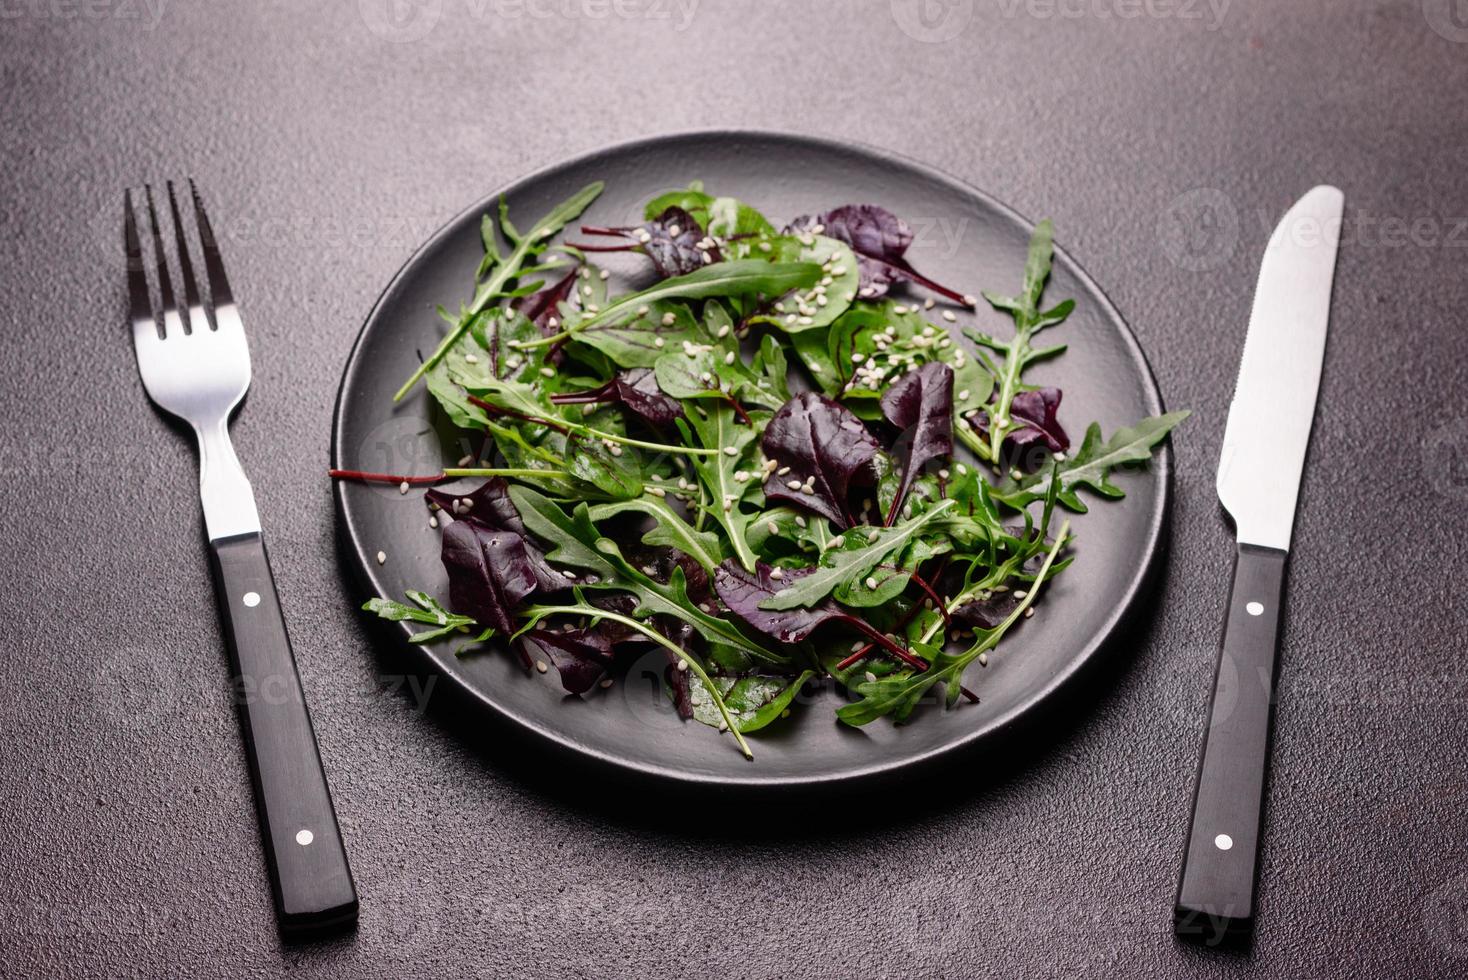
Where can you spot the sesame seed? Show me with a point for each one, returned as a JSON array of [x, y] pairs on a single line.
[[432, 521], [793, 484], [658, 342], [585, 290], [782, 471], [723, 725], [773, 527], [605, 274], [729, 358], [683, 665], [669, 319], [790, 318], [874, 534], [1029, 612], [764, 246], [963, 395], [950, 316], [943, 474], [970, 300], [403, 487], [871, 677], [724, 331], [858, 357], [568, 573], [983, 660], [808, 490], [541, 666], [836, 542], [552, 321], [799, 521], [657, 491], [674, 231], [643, 236], [838, 270], [471, 358], [777, 573], [615, 449], [871, 582], [382, 558], [606, 683], [899, 310], [806, 321], [730, 451], [642, 311], [929, 303]]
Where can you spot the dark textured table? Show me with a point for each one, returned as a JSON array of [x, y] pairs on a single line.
[[1163, 138]]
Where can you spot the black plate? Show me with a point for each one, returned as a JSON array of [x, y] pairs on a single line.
[[962, 238]]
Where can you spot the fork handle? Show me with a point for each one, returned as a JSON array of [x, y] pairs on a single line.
[[309, 875]]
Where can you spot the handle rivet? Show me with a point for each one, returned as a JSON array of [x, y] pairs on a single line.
[[252, 599], [1223, 841], [1255, 608], [304, 837]]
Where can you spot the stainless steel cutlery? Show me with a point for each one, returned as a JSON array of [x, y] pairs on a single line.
[[1258, 484], [195, 364]]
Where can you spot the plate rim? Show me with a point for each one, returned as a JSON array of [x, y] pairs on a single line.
[[550, 737]]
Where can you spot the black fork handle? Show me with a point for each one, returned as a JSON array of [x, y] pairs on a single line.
[[309, 875]]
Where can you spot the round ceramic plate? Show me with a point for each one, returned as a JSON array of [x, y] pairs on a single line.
[[961, 238]]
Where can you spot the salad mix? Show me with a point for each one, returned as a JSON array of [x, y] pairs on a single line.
[[778, 462]]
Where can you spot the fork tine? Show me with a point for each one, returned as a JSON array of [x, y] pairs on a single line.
[[185, 266], [140, 304], [165, 285], [219, 291]]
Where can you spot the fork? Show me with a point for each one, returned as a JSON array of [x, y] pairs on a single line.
[[195, 365]]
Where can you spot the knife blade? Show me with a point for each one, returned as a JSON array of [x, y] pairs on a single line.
[[1259, 470]]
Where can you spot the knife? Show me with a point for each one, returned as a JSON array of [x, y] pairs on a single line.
[[1258, 482]]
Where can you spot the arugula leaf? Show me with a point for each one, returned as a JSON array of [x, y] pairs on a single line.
[[741, 277], [898, 695], [669, 529], [578, 543], [716, 428], [1029, 320], [1092, 464], [753, 701], [504, 270], [431, 612], [856, 556]]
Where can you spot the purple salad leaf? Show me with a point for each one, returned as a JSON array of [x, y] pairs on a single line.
[[672, 241], [581, 656], [824, 446], [880, 240], [636, 388], [540, 306], [490, 573], [743, 591], [1034, 422], [491, 508], [920, 406]]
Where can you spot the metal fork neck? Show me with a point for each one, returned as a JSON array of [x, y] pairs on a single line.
[[229, 501]]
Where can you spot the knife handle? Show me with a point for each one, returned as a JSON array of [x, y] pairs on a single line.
[[1215, 897], [309, 876]]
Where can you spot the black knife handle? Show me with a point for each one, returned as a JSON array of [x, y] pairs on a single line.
[[1215, 897], [309, 876]]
